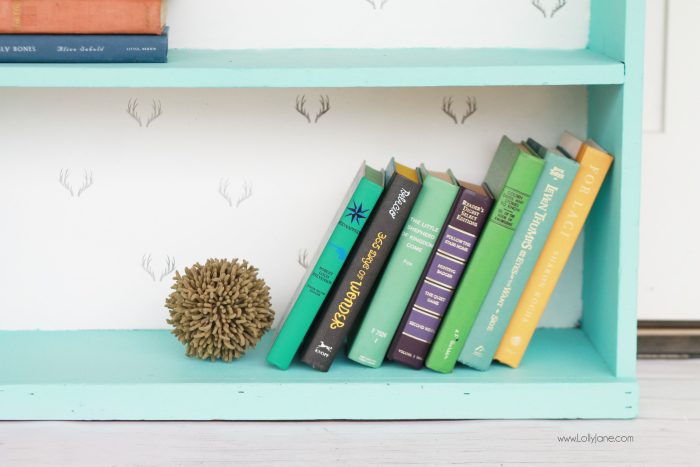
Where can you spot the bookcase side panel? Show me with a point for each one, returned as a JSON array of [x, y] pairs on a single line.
[[611, 239]]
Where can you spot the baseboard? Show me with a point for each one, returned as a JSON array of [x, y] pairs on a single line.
[[668, 339]]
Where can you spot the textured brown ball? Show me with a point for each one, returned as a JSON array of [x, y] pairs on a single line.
[[219, 310]]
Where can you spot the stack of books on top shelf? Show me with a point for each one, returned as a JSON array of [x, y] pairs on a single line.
[[80, 31], [426, 270]]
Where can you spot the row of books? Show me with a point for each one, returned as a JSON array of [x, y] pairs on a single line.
[[80, 31], [425, 270]]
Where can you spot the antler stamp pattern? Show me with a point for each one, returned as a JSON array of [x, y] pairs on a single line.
[[376, 4], [169, 268], [146, 266], [448, 110], [325, 107], [246, 193], [132, 109], [560, 4], [303, 258], [300, 107], [64, 180], [557, 6], [87, 183], [157, 111], [471, 108], [223, 191]]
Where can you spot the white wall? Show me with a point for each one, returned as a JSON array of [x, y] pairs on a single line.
[[669, 251], [72, 262], [232, 24]]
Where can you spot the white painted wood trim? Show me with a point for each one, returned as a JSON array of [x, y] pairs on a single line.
[[666, 433]]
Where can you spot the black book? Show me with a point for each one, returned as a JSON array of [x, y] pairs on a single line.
[[353, 288]]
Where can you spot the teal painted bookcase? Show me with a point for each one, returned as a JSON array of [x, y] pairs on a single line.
[[587, 372]]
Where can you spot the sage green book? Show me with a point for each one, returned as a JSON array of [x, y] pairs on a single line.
[[520, 258], [512, 177], [342, 233], [404, 268]]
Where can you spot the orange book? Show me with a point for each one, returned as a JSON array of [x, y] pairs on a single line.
[[82, 16], [594, 164]]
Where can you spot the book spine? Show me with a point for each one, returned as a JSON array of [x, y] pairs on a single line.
[[403, 271], [81, 17], [356, 282], [593, 166], [324, 273], [484, 263], [440, 278], [529, 237], [21, 48]]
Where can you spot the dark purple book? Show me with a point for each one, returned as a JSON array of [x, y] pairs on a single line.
[[441, 276]]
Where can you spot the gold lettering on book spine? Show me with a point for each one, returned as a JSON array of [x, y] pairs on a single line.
[[16, 14], [345, 306]]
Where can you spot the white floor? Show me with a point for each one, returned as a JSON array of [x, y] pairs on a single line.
[[667, 432]]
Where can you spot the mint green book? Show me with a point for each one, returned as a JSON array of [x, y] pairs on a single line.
[[404, 268], [512, 177], [520, 258], [346, 226]]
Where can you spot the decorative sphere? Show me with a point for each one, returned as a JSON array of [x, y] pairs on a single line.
[[219, 310]]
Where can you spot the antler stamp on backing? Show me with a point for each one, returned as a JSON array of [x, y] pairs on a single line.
[[132, 108], [168, 269], [246, 192], [557, 6], [448, 110], [303, 258], [64, 179], [324, 107], [376, 4]]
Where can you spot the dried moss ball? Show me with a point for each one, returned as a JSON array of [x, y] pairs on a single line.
[[219, 310]]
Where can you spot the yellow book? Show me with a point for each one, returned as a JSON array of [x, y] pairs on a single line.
[[594, 164]]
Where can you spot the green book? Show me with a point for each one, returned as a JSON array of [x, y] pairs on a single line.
[[520, 258], [512, 177], [323, 270], [404, 268]]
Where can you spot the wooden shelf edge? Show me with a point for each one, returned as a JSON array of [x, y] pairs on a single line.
[[329, 68], [300, 401], [144, 375]]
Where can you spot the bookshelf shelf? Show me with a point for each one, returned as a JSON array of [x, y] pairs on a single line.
[[331, 68], [588, 372], [144, 375]]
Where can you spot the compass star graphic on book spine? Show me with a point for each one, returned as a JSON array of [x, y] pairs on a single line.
[[356, 213]]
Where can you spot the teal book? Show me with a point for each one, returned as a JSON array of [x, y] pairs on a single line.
[[363, 269], [342, 234], [404, 269], [512, 175], [520, 258]]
